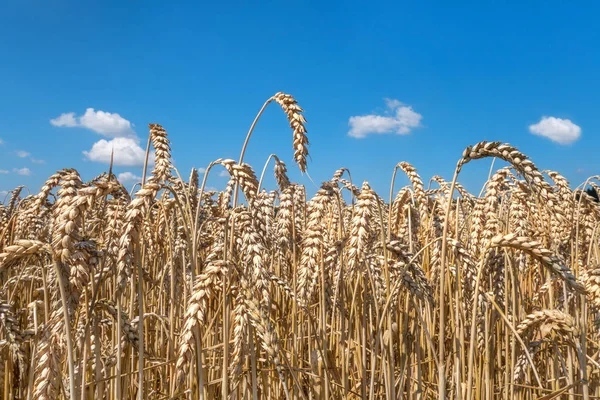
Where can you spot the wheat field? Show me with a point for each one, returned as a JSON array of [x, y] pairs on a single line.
[[426, 292]]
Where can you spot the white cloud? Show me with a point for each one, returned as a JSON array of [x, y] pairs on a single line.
[[1, 142], [36, 161], [224, 174], [22, 154], [127, 152], [201, 170], [4, 171], [399, 119], [22, 171], [66, 119], [3, 193], [105, 123], [128, 177], [561, 131]]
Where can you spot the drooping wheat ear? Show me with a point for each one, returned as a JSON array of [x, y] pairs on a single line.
[[22, 248], [373, 264], [52, 182], [337, 175], [226, 194], [402, 198], [162, 151], [521, 163], [48, 356], [444, 185], [282, 284], [361, 228], [464, 192], [129, 332], [549, 321], [545, 256], [417, 183], [592, 283], [522, 364], [31, 223], [69, 217], [244, 174], [414, 279], [12, 333], [312, 243], [82, 267], [596, 187], [14, 199], [562, 186], [280, 171], [206, 286], [294, 114], [351, 187], [561, 230]]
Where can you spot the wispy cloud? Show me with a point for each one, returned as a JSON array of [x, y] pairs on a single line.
[[398, 118], [224, 174], [3, 171], [201, 170], [561, 131], [22, 171], [102, 122], [3, 193], [25, 154], [1, 142]]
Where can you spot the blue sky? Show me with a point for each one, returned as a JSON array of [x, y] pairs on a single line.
[[422, 79]]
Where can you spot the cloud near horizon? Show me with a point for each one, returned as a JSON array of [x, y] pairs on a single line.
[[561, 131], [398, 119]]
